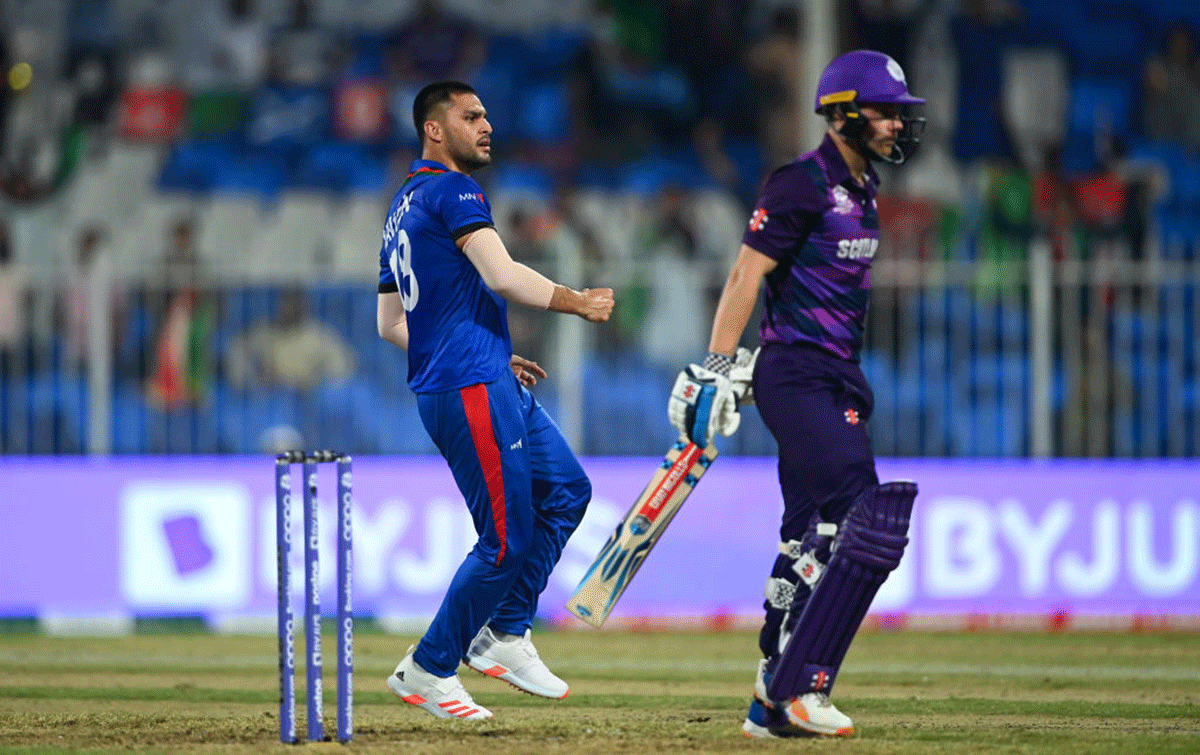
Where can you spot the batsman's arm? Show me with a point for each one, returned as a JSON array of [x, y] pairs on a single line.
[[738, 298], [390, 319]]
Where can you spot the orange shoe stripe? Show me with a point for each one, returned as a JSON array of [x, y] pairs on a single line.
[[448, 703], [496, 670], [414, 699], [469, 713], [799, 711]]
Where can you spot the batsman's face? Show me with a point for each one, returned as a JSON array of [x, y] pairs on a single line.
[[468, 133], [886, 125]]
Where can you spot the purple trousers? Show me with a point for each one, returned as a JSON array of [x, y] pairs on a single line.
[[817, 406]]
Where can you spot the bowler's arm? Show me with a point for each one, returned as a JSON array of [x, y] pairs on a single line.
[[523, 285], [391, 320]]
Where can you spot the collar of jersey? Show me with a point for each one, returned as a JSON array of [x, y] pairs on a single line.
[[839, 172], [425, 167]]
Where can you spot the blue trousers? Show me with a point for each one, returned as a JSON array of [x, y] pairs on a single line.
[[526, 493]]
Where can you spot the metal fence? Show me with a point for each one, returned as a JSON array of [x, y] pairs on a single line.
[[1033, 354]]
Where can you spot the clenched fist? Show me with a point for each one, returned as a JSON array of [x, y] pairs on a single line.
[[597, 304]]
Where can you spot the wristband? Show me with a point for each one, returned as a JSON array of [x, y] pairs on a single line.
[[718, 363]]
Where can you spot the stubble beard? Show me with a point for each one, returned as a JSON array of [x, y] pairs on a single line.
[[471, 161]]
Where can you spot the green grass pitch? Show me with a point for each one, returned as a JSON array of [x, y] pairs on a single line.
[[655, 692]]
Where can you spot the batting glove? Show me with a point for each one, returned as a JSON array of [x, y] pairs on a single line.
[[702, 404], [741, 376]]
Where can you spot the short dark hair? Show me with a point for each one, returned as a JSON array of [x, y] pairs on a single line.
[[432, 95]]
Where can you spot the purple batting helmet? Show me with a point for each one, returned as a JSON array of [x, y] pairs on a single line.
[[864, 76]]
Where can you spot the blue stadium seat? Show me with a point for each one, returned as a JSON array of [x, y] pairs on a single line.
[[597, 175], [191, 165], [45, 413], [1185, 185], [516, 177], [544, 114], [341, 415], [286, 117], [628, 395], [1095, 103], [1106, 39], [339, 167], [245, 419], [501, 78], [1178, 233], [651, 174], [553, 50], [995, 391], [920, 411], [397, 425], [367, 53], [259, 174]]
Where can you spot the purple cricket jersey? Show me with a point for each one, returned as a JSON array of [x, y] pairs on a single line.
[[822, 227]]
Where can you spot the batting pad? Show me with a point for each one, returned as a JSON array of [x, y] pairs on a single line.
[[868, 546]]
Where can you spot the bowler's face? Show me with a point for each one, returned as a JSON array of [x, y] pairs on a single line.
[[468, 133]]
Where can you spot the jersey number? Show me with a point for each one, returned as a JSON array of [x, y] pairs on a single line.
[[401, 263]]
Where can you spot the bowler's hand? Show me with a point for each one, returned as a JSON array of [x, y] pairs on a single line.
[[597, 304], [526, 370]]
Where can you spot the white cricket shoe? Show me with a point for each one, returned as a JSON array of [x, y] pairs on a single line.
[[515, 661], [444, 697], [763, 722], [814, 713], [760, 684]]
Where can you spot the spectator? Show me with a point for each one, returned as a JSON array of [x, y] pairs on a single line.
[[87, 280], [31, 174], [1172, 90], [679, 290], [5, 65], [93, 59], [981, 34], [15, 296], [1053, 210], [526, 327], [625, 69], [303, 52], [434, 45], [292, 350], [705, 42], [227, 48], [774, 64], [185, 314], [886, 25]]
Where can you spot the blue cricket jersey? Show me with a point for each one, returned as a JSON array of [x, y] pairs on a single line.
[[457, 327]]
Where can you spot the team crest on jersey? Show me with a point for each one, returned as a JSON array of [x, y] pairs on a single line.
[[852, 416], [842, 204], [468, 197], [758, 219]]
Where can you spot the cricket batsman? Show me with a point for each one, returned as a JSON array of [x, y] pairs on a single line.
[[811, 239]]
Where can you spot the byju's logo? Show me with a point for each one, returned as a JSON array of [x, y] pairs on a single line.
[[189, 548], [185, 545]]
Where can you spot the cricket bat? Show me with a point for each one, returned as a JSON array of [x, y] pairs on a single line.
[[639, 530]]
